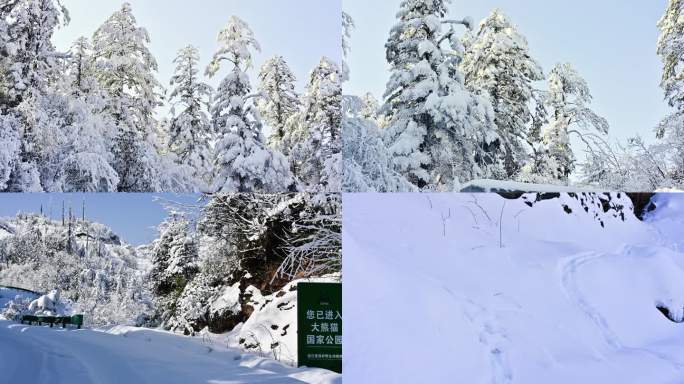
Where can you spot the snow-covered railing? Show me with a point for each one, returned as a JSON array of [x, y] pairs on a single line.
[[21, 289], [76, 320]]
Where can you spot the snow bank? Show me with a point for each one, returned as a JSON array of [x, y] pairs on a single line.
[[271, 330], [30, 354], [14, 302], [479, 289]]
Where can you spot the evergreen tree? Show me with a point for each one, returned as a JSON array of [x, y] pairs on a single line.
[[366, 161], [242, 162], [671, 51], [567, 101], [347, 27], [497, 64], [80, 68], [31, 54], [10, 144], [190, 130], [437, 130], [279, 99], [317, 156], [124, 68], [174, 264]]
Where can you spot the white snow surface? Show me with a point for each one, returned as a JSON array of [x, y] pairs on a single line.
[[271, 330], [460, 288], [41, 355]]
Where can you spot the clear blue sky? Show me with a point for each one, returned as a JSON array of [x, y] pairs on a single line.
[[612, 43], [134, 217], [300, 30]]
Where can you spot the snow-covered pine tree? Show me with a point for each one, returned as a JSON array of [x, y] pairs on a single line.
[[174, 264], [190, 130], [279, 100], [347, 28], [124, 67], [568, 102], [10, 145], [438, 131], [671, 51], [370, 107], [30, 50], [366, 162], [80, 68], [243, 163], [316, 157], [497, 64], [27, 64]]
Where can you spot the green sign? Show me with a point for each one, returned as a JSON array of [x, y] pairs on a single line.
[[319, 325]]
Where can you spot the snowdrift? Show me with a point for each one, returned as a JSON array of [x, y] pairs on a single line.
[[271, 330], [480, 289], [124, 354]]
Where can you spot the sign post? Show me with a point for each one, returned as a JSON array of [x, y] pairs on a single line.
[[319, 325]]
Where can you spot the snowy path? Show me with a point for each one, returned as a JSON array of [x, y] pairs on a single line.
[[30, 354], [569, 269]]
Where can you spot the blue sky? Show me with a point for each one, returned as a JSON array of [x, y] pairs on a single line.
[[300, 30], [134, 217], [612, 43]]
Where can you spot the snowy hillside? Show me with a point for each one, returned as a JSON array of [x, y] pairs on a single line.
[[42, 355], [97, 273], [480, 289]]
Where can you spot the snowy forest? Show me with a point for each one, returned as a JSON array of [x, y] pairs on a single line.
[[467, 102], [236, 261], [88, 120]]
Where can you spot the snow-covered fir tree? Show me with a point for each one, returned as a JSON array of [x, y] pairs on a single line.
[[670, 48], [568, 102], [367, 164], [174, 264], [26, 68], [279, 101], [347, 28], [243, 162], [29, 46], [438, 131], [80, 66], [190, 130], [10, 145], [497, 64], [316, 155], [125, 67]]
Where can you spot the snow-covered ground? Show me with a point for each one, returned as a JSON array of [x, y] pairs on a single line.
[[123, 354], [476, 289], [30, 354]]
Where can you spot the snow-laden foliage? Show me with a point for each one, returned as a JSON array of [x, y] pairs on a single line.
[[438, 130], [10, 145], [125, 70], [190, 130], [671, 51], [279, 100], [317, 147], [497, 63], [87, 119], [94, 270], [670, 48], [29, 25], [568, 102], [347, 27], [201, 276], [367, 164], [243, 162]]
